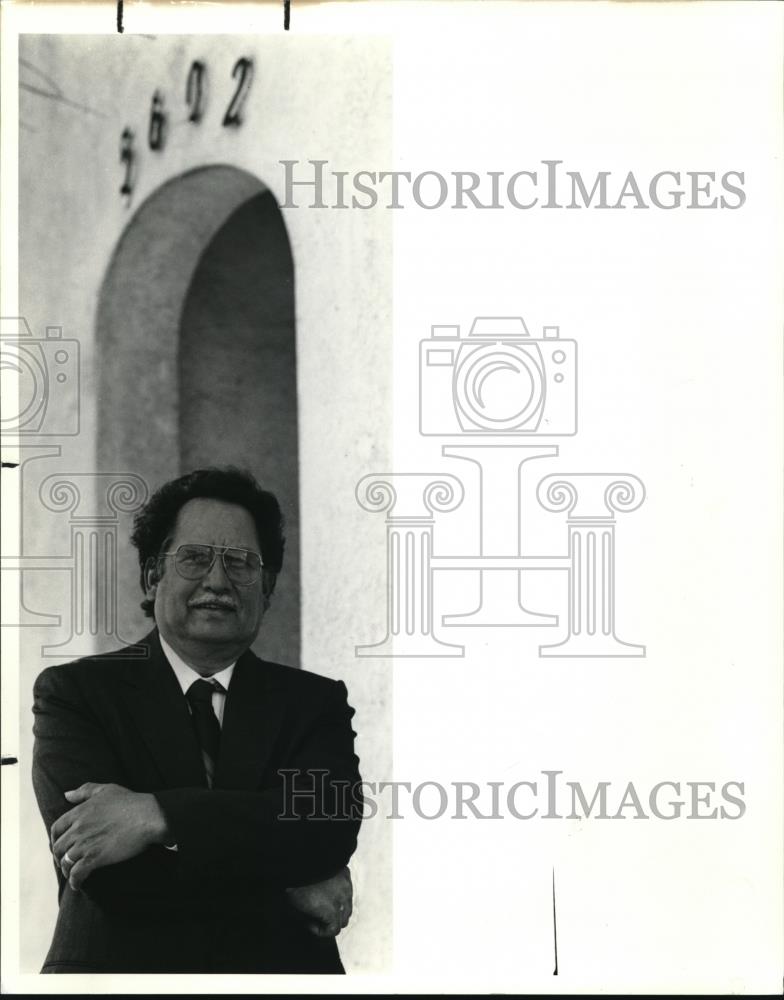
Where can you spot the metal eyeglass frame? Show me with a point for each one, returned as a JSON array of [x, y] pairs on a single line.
[[216, 550]]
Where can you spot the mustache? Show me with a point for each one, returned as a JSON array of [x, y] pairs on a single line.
[[212, 602]]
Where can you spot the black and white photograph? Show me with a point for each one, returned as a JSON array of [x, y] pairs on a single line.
[[392, 501]]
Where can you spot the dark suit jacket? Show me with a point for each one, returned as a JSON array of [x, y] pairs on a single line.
[[218, 903]]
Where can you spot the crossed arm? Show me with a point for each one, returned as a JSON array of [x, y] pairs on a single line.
[[108, 841], [109, 824]]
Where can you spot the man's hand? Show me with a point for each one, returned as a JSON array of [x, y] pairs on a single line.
[[328, 904], [108, 824]]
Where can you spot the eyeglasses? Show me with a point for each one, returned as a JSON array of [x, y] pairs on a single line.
[[194, 561]]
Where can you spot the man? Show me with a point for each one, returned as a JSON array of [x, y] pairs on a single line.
[[196, 797]]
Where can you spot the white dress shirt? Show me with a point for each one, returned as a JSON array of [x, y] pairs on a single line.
[[187, 675]]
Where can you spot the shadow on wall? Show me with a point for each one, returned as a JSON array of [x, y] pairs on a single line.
[[196, 361]]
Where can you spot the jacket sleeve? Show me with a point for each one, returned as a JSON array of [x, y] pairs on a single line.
[[70, 748], [299, 831], [302, 829]]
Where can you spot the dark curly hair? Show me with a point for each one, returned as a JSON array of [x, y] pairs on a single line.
[[155, 522]]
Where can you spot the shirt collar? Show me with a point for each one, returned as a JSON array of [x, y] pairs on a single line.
[[187, 675]]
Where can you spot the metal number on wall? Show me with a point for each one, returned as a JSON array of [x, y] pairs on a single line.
[[194, 91], [126, 157], [243, 69], [195, 95], [157, 122]]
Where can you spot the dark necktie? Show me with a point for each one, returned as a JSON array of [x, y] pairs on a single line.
[[205, 722]]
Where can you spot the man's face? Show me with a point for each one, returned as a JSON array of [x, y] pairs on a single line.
[[211, 613]]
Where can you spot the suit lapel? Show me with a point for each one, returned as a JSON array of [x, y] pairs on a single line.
[[160, 713], [252, 718]]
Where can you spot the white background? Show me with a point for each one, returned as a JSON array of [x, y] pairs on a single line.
[[677, 315]]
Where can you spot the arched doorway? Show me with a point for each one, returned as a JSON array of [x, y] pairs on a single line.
[[196, 360]]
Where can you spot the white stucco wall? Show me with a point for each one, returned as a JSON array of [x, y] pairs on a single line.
[[312, 98]]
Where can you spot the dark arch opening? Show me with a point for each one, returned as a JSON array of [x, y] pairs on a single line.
[[196, 361], [237, 377]]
